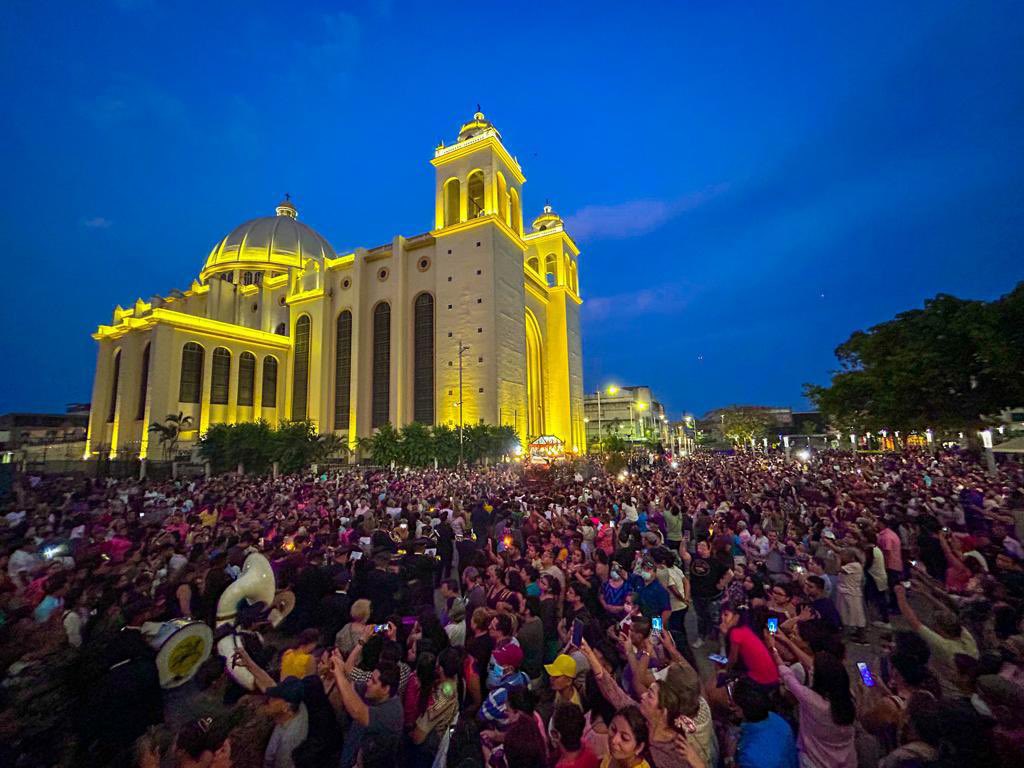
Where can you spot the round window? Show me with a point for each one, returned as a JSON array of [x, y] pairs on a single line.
[[382, 274], [423, 264], [346, 284]]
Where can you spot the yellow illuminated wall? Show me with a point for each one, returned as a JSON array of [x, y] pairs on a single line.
[[484, 269]]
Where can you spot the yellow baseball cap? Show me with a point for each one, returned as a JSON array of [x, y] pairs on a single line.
[[562, 666]]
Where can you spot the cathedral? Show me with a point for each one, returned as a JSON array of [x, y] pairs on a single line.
[[475, 321]]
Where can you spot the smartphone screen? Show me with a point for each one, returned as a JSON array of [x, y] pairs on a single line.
[[865, 674], [773, 625], [577, 632], [718, 658], [656, 624], [356, 555]]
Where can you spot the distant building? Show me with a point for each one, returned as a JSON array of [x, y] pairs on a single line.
[[781, 421], [23, 429], [631, 413]]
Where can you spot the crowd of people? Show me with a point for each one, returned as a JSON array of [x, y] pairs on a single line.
[[715, 610]]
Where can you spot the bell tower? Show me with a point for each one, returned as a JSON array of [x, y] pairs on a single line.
[[477, 177]]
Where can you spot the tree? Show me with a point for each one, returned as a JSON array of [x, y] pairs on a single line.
[[417, 445], [445, 445], [383, 446], [169, 431], [294, 445], [741, 425], [948, 365]]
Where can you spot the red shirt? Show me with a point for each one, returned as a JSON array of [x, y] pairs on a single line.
[[755, 656], [584, 759]]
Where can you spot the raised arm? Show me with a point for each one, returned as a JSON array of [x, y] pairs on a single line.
[[908, 613], [350, 699], [609, 688], [260, 676]]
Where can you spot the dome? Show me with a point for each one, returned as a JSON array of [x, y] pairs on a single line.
[[476, 126], [547, 220], [269, 243]]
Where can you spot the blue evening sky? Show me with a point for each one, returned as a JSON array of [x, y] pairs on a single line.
[[749, 182]]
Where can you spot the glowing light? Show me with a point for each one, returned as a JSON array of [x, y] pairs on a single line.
[[986, 437], [675, 465], [803, 454]]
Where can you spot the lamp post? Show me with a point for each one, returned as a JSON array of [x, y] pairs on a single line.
[[463, 348], [641, 406], [612, 390]]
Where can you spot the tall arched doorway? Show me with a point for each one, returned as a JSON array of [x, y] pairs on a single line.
[[534, 377]]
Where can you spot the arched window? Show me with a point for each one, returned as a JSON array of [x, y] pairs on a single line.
[[300, 378], [452, 202], [246, 378], [246, 278], [381, 386], [475, 195], [513, 212], [423, 360], [551, 269], [281, 329], [575, 280], [534, 264], [534, 377], [269, 382], [190, 385], [343, 370], [220, 379], [140, 411], [502, 194], [113, 386]]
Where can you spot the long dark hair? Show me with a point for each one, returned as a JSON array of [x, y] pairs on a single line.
[[426, 673], [832, 683]]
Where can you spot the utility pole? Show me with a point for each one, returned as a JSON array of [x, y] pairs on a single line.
[[463, 348]]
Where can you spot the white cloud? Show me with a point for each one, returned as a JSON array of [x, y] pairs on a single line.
[[636, 217], [97, 222], [664, 299]]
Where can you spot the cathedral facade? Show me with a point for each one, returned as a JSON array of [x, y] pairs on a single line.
[[475, 321]]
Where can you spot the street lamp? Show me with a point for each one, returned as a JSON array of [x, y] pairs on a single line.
[[612, 390], [463, 348]]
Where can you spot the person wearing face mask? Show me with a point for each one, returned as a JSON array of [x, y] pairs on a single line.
[[651, 596], [613, 593], [503, 677]]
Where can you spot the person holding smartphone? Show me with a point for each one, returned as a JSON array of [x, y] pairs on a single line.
[[743, 633]]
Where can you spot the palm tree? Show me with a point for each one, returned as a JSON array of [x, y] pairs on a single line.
[[169, 432]]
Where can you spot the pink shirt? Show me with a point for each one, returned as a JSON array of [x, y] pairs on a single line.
[[822, 741], [892, 549], [755, 656]]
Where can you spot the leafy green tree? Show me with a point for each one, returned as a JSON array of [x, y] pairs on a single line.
[[741, 425], [215, 447], [383, 446], [251, 444], [445, 445], [169, 431], [417, 445], [947, 365]]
